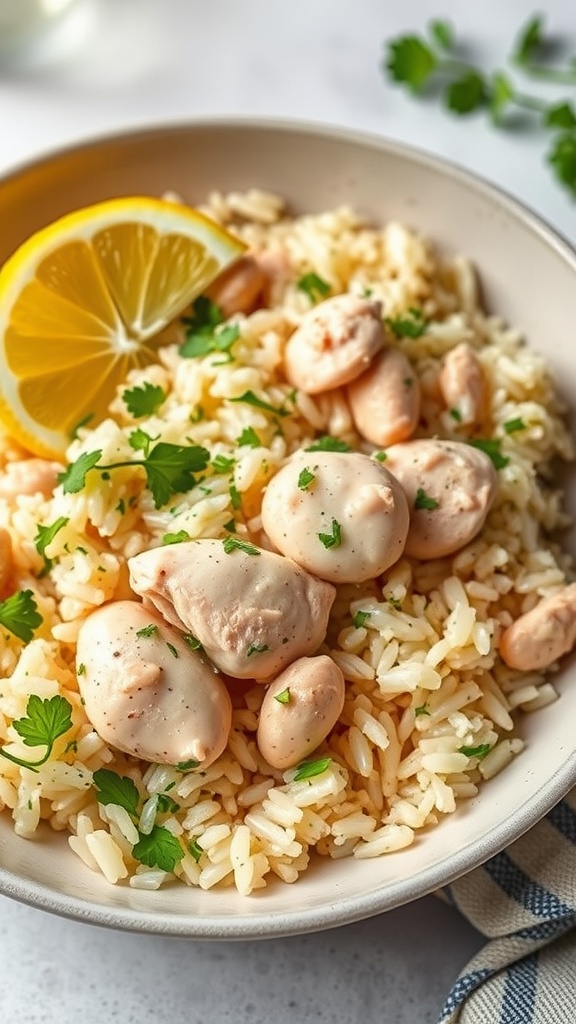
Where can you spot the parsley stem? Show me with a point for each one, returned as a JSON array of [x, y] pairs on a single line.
[[520, 99], [562, 76], [32, 765], [455, 67]]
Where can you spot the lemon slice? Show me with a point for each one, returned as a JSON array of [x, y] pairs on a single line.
[[85, 299]]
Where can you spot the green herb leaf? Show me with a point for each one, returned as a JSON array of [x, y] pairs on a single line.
[[160, 849], [223, 464], [334, 539], [205, 342], [257, 649], [143, 400], [501, 95], [411, 61], [176, 538], [173, 650], [45, 536], [231, 544], [442, 34], [249, 398], [186, 766], [422, 501], [380, 456], [192, 641], [283, 697], [235, 498], [562, 157], [309, 769], [305, 478], [314, 287], [456, 415], [560, 115], [166, 805], [328, 444], [19, 615], [249, 437], [195, 850], [147, 631], [205, 314], [422, 710], [529, 40], [479, 751], [170, 468], [120, 790], [140, 441], [492, 448], [467, 93], [511, 426], [360, 618], [46, 720], [411, 325], [73, 478]]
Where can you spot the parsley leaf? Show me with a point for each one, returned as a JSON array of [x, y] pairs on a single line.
[[45, 536], [511, 426], [205, 342], [411, 61], [249, 437], [334, 539], [222, 464], [479, 751], [411, 325], [360, 618], [46, 720], [328, 444], [422, 710], [159, 849], [529, 40], [231, 544], [19, 615], [144, 400], [314, 287], [305, 478], [491, 447], [283, 697], [192, 641], [73, 479], [562, 157], [501, 95], [257, 649], [205, 315], [175, 538], [467, 93], [185, 766], [249, 398], [442, 33], [147, 631], [169, 469], [561, 115], [308, 769], [422, 501], [120, 790], [140, 441]]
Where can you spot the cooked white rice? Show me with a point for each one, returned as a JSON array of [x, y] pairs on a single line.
[[423, 676]]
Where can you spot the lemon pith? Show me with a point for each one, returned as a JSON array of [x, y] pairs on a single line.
[[85, 299]]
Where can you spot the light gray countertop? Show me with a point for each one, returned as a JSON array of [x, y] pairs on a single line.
[[128, 62]]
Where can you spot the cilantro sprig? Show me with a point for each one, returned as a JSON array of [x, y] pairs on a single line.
[[432, 59], [143, 400], [169, 469], [45, 721], [19, 615], [45, 536]]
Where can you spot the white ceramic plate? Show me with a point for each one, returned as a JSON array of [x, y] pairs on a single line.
[[529, 277]]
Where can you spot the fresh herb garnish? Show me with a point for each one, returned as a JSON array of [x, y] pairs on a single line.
[[249, 437], [328, 444], [147, 631], [313, 286], [143, 400], [257, 649], [456, 415], [195, 850], [492, 448], [45, 536], [419, 61], [283, 697], [205, 342], [231, 544], [120, 790], [479, 751], [46, 720], [192, 641], [169, 469], [308, 769], [305, 478], [422, 501], [380, 456], [334, 539], [235, 499], [175, 538], [19, 615], [249, 398], [223, 464], [411, 325], [159, 849], [166, 805], [360, 618], [422, 710], [173, 650], [185, 766], [512, 426]]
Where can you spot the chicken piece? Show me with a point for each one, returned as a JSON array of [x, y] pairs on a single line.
[[539, 637]]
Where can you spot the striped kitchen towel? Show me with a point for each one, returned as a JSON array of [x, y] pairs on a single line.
[[524, 901]]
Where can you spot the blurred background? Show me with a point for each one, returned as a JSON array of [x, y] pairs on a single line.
[[90, 67]]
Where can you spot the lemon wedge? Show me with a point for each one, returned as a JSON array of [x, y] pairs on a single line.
[[85, 299]]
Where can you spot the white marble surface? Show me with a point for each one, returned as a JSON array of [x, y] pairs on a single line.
[[121, 63]]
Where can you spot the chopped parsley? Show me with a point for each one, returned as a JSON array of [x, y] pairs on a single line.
[[380, 456], [421, 710], [223, 464], [140, 441], [249, 437], [143, 400], [235, 498], [422, 501], [120, 790], [81, 670], [45, 536], [207, 341], [185, 766], [249, 398], [147, 631], [172, 649], [308, 769], [479, 751], [511, 426], [257, 649], [192, 641], [305, 478], [492, 448], [315, 287], [456, 415], [160, 849], [328, 444], [195, 850], [411, 325], [231, 544], [45, 721], [334, 539], [360, 618], [19, 615], [283, 697], [175, 538]]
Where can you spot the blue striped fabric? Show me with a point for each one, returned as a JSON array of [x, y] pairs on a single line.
[[524, 901]]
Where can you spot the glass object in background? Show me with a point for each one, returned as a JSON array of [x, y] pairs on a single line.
[[25, 21]]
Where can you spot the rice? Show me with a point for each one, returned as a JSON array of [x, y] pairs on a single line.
[[431, 712]]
